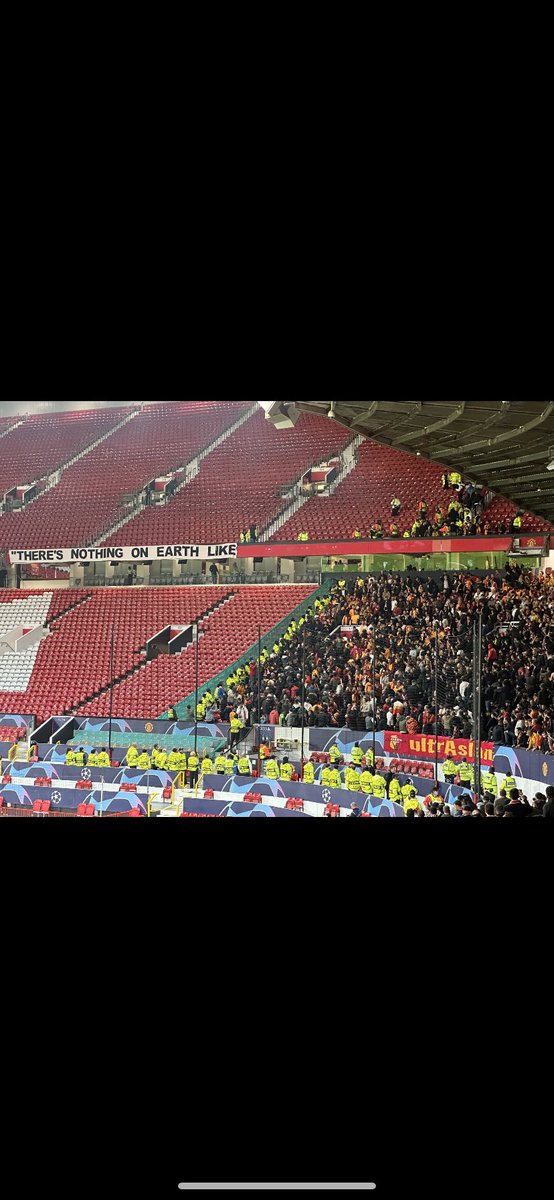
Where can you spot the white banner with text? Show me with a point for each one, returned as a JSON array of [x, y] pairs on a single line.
[[115, 554]]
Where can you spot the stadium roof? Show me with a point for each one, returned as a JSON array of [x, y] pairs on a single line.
[[505, 444]]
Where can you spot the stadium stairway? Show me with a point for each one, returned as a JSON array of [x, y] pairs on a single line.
[[239, 483]]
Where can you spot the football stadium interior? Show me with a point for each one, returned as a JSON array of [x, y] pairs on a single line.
[[286, 608]]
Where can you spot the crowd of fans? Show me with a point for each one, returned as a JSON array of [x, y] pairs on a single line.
[[403, 617], [463, 515]]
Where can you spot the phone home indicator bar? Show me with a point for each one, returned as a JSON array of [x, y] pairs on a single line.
[[278, 1187]]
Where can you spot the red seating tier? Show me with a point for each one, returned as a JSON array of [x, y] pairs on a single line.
[[239, 484], [90, 494], [74, 662]]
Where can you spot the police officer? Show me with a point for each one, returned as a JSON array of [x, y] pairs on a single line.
[[271, 768], [193, 768], [244, 765], [286, 771], [220, 764], [308, 774], [357, 755], [407, 790], [449, 769], [464, 772], [509, 784], [411, 800], [490, 783]]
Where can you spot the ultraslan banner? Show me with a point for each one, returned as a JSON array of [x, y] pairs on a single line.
[[420, 745], [95, 554]]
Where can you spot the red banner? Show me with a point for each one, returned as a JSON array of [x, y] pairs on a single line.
[[472, 545], [421, 745]]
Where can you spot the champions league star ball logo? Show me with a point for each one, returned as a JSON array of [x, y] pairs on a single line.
[[86, 774], [56, 798], [326, 796]]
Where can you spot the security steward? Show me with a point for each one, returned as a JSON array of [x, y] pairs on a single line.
[[236, 729], [357, 755], [80, 758], [132, 757], [287, 771], [103, 759], [70, 758], [308, 774], [230, 762], [207, 765], [193, 766], [353, 780], [366, 782], [335, 755], [395, 791], [379, 786], [271, 768], [326, 775], [162, 759], [335, 780], [244, 765], [220, 764], [173, 763], [182, 760], [93, 758], [509, 784], [144, 761]]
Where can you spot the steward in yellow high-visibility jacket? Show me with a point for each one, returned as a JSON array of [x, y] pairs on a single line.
[[271, 770], [287, 771], [103, 759], [244, 766], [144, 761], [367, 782], [132, 757], [207, 766], [379, 787], [357, 755], [70, 759], [395, 791], [326, 775], [220, 764], [308, 774], [335, 780], [173, 763]]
